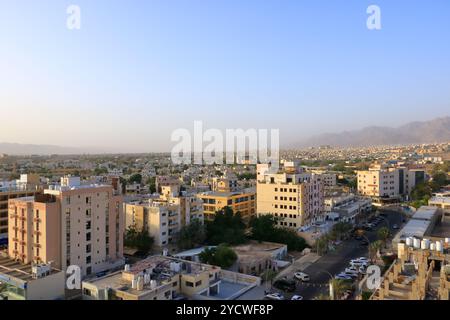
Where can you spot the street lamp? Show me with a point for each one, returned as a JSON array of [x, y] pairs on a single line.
[[330, 283]]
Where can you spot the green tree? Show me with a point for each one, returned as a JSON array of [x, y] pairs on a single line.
[[151, 182], [139, 240], [264, 228], [383, 234], [374, 247], [222, 256], [226, 227], [135, 178], [339, 287], [192, 235]]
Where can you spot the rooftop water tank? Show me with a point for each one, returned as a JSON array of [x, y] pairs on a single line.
[[416, 243], [409, 241], [439, 246], [432, 246]]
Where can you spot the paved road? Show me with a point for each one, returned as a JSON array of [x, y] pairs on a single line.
[[335, 262]]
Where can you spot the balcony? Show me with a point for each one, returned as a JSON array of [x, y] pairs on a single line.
[[37, 232], [37, 220], [37, 245]]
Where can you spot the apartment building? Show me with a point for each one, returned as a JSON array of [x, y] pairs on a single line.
[[163, 217], [191, 206], [70, 224], [160, 218], [384, 183], [290, 194], [243, 202], [28, 185], [227, 183], [167, 278]]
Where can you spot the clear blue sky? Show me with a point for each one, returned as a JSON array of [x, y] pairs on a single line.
[[139, 69]]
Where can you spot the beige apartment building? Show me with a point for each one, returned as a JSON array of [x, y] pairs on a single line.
[[27, 185], [166, 278], [70, 224], [243, 202], [290, 194], [163, 217], [383, 183]]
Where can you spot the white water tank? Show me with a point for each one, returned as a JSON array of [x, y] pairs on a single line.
[[153, 284], [432, 246], [409, 241], [416, 243], [439, 246], [127, 268], [134, 283], [425, 244], [140, 283]]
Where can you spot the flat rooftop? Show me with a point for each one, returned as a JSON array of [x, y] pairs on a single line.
[[13, 269], [425, 213]]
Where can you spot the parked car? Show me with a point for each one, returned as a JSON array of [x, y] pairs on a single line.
[[358, 263], [352, 270], [285, 285], [395, 226], [301, 276], [297, 297], [362, 270], [274, 296], [343, 276]]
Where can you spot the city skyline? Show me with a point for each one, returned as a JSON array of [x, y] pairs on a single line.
[[128, 78]]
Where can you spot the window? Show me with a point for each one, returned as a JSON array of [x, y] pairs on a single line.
[[88, 236], [88, 259], [88, 248], [189, 284], [198, 283]]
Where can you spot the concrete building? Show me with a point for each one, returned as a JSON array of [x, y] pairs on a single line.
[[30, 281], [386, 184], [160, 218], [441, 200], [243, 202], [254, 257], [164, 216], [294, 196], [26, 186], [166, 278], [70, 224]]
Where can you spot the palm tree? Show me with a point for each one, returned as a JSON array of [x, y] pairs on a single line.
[[339, 287], [383, 234], [269, 275], [374, 248]]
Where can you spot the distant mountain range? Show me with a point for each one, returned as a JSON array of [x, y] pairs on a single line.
[[437, 130]]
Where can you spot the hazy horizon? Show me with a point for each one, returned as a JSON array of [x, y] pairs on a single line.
[[135, 72]]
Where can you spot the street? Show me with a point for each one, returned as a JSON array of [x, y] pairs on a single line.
[[335, 262]]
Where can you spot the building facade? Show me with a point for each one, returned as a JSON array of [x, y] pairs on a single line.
[[70, 224], [290, 194]]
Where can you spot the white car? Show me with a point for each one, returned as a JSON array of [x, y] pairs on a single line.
[[343, 276], [357, 263], [301, 276], [352, 270], [362, 259], [352, 274], [274, 296], [297, 297]]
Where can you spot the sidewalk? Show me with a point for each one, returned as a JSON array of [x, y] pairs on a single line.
[[299, 264]]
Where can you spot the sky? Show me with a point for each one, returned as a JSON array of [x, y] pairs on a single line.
[[139, 69]]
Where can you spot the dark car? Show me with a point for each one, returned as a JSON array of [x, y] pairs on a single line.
[[285, 285]]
